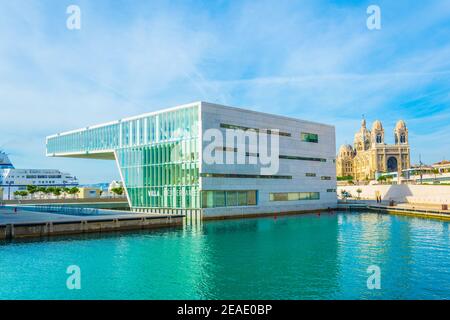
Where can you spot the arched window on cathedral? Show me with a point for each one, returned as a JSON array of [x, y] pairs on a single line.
[[378, 138]]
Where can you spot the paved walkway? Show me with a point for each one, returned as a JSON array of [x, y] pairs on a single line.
[[8, 216], [423, 210]]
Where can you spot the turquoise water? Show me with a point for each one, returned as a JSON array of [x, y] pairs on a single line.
[[295, 257]]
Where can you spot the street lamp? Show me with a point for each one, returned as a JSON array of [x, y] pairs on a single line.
[[9, 183]]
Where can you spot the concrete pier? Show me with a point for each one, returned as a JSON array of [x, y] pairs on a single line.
[[26, 224], [421, 211]]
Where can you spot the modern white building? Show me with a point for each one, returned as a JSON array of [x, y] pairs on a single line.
[[12, 179], [213, 160]]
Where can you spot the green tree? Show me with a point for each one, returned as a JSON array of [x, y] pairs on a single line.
[[435, 172], [118, 191], [31, 189], [57, 191], [21, 193], [359, 191], [42, 191], [345, 178], [344, 194], [65, 191], [74, 191]]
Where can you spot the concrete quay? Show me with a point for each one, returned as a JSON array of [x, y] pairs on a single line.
[[29, 224], [430, 211]]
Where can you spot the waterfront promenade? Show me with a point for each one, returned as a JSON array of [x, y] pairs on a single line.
[[27, 223], [431, 211]]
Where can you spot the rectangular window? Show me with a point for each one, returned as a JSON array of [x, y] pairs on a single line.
[[232, 199], [228, 198], [309, 174], [331, 190], [279, 196], [251, 198], [249, 176], [242, 198], [294, 196], [219, 198], [268, 131], [309, 137], [325, 178], [302, 158], [248, 154]]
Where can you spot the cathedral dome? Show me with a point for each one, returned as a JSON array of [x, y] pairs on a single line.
[[345, 149], [377, 126], [400, 125]]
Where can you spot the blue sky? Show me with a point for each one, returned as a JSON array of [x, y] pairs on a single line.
[[314, 60]]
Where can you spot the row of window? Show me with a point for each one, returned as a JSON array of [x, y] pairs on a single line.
[[256, 176], [268, 131], [43, 177], [32, 182], [294, 196], [183, 197], [304, 136], [229, 198], [250, 154], [251, 176]]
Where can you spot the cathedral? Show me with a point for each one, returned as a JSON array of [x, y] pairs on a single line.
[[371, 155]]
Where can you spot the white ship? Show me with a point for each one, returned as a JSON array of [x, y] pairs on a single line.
[[12, 179]]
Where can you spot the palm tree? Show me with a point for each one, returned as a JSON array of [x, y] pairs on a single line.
[[41, 191], [118, 191], [65, 191], [56, 191], [21, 193], [74, 191], [359, 191], [31, 189], [344, 194], [435, 172]]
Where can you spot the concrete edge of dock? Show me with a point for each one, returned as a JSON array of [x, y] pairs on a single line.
[[411, 212], [80, 226], [268, 214]]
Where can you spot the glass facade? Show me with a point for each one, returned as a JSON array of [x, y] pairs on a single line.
[[96, 139], [229, 198], [159, 160], [158, 156]]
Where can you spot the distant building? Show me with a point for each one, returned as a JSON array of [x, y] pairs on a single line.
[[443, 166], [114, 184], [370, 155], [12, 179], [86, 193]]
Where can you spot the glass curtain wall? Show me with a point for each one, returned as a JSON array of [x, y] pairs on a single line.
[[96, 139], [159, 160]]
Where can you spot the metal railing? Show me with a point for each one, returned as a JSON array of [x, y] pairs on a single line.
[[65, 210]]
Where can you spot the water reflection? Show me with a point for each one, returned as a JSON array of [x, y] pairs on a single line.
[[297, 257]]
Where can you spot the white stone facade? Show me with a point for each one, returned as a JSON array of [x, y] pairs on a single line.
[[307, 175]]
